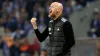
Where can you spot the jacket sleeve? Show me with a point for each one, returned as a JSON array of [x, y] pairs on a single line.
[[42, 36], [69, 37]]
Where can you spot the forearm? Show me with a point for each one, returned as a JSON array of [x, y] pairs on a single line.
[[41, 36]]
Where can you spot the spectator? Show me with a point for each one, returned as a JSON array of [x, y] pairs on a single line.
[[20, 22], [8, 43], [27, 26], [36, 12], [7, 6], [46, 18], [67, 9], [35, 47], [10, 24], [18, 36], [95, 27], [81, 2], [77, 6], [29, 8]]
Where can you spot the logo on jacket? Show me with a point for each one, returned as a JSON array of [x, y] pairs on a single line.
[[49, 29], [58, 29]]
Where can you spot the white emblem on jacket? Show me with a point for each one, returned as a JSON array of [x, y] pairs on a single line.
[[49, 29], [50, 33], [58, 29]]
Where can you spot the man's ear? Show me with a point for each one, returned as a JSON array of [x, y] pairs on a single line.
[[58, 10]]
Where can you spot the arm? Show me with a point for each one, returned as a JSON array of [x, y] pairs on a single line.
[[42, 36], [69, 37]]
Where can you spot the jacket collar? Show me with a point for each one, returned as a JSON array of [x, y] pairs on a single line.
[[58, 19]]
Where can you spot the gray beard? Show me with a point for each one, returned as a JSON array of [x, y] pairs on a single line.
[[51, 17]]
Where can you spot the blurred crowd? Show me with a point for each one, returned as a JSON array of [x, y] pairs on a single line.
[[15, 23], [94, 30]]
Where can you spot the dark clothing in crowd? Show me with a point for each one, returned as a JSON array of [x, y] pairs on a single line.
[[1, 45], [1, 1], [29, 9], [10, 25], [82, 2], [60, 32], [14, 51], [96, 25]]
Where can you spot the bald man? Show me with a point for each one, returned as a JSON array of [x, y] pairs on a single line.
[[59, 31]]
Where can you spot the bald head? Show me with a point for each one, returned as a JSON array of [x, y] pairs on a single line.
[[57, 5], [55, 9]]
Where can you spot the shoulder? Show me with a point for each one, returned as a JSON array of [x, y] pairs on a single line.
[[64, 20], [67, 23], [50, 21]]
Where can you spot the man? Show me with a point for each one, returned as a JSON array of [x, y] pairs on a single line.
[[94, 30], [59, 30]]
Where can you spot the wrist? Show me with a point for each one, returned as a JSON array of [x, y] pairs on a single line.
[[35, 28]]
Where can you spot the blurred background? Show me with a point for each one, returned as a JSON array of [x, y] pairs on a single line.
[[17, 37]]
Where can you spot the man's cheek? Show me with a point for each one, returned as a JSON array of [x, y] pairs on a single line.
[[52, 12]]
